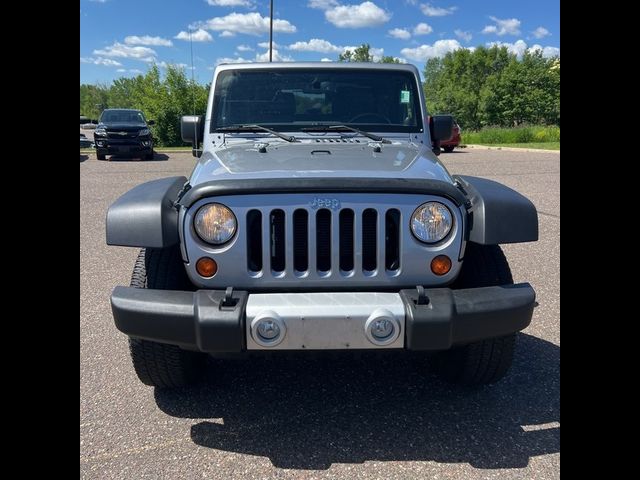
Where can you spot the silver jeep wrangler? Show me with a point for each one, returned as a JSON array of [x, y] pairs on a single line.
[[318, 217]]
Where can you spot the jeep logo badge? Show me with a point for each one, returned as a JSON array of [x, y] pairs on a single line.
[[332, 203]]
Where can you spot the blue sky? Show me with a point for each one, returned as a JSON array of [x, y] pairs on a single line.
[[123, 37]]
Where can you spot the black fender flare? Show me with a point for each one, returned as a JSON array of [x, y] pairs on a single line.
[[498, 214], [146, 216]]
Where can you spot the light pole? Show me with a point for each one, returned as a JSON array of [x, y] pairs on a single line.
[[271, 31]]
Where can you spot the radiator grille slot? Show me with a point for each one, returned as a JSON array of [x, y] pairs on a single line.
[[346, 240], [254, 240], [392, 239], [277, 240], [301, 240], [369, 240], [323, 240]]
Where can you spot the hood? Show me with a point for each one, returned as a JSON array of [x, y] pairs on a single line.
[[319, 159]]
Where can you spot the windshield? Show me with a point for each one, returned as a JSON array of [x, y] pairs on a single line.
[[122, 116], [294, 99]]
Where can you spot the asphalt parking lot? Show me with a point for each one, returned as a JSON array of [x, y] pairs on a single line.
[[365, 417]]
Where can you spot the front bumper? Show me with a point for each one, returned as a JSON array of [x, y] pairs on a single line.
[[215, 322], [111, 146]]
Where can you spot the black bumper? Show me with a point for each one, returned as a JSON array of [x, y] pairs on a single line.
[[202, 320]]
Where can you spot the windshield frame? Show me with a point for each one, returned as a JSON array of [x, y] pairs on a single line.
[[298, 126]]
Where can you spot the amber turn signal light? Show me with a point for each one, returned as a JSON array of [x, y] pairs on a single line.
[[206, 267], [441, 265]]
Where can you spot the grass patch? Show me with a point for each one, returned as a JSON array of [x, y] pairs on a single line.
[[540, 145], [504, 136]]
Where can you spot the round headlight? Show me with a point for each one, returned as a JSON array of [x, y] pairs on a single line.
[[215, 223], [431, 222]]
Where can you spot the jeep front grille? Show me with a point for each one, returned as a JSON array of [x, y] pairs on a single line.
[[335, 241], [323, 240]]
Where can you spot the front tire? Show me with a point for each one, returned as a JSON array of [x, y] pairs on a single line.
[[101, 156], [448, 148], [486, 361], [158, 364]]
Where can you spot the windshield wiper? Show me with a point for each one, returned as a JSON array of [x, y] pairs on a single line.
[[253, 128], [324, 128]]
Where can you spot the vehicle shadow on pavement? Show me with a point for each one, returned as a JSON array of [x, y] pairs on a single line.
[[83, 157], [309, 414], [158, 157]]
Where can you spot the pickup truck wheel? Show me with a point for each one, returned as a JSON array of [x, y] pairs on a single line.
[[157, 364], [486, 361], [448, 148], [101, 156]]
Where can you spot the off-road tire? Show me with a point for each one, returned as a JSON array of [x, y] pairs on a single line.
[[448, 149], [158, 364], [486, 361], [101, 156]]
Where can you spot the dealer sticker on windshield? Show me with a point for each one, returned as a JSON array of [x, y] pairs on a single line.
[[404, 96]]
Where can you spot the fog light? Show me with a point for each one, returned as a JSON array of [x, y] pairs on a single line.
[[441, 265], [206, 267], [268, 329], [382, 328]]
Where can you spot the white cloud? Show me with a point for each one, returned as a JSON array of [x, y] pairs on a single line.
[[244, 48], [148, 41], [325, 59], [99, 1], [367, 14], [199, 35], [520, 46], [540, 32], [227, 33], [400, 33], [248, 23], [322, 4], [131, 70], [260, 57], [264, 57], [422, 29], [229, 3], [121, 50], [230, 60], [107, 62], [266, 45], [431, 11], [507, 26], [315, 45], [439, 49], [121, 70], [462, 35]]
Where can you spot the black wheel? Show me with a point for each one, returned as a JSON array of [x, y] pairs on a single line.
[[157, 364], [448, 148], [101, 156], [486, 361]]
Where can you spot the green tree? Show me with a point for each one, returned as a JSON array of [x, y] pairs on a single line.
[[359, 54], [162, 98], [490, 86], [389, 59]]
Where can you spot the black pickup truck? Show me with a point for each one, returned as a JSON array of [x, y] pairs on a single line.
[[123, 132]]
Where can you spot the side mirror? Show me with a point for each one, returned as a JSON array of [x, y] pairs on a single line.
[[192, 131], [441, 128], [151, 122]]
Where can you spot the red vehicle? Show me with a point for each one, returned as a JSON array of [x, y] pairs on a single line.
[[454, 141]]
